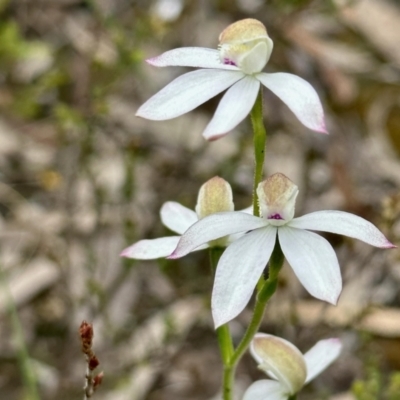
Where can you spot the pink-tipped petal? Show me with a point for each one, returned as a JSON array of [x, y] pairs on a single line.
[[177, 217], [238, 272], [187, 92], [343, 223], [233, 108], [198, 57], [314, 262], [265, 389], [152, 248], [299, 96], [214, 227], [319, 357]]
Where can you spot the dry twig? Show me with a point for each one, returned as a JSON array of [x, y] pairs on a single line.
[[92, 382]]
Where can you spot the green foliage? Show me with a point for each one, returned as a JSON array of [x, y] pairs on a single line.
[[50, 91], [393, 390], [12, 44], [30, 99], [67, 117], [376, 386], [369, 388]]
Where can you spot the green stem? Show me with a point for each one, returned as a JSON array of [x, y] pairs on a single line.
[[263, 295], [260, 138], [227, 388], [215, 254]]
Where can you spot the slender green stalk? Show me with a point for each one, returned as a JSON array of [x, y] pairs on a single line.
[[225, 343], [227, 388], [261, 302], [215, 255], [24, 360], [260, 138]]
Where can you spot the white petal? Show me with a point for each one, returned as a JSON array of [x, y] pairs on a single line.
[[319, 357], [255, 59], [187, 92], [248, 210], [199, 57], [314, 262], [151, 249], [299, 96], [235, 236], [238, 272], [233, 108], [343, 223], [177, 217], [265, 389], [214, 227]]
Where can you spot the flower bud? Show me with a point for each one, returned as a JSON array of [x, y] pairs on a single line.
[[277, 198], [214, 196], [245, 44], [280, 359]]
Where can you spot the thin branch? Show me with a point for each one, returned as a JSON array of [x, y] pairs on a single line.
[[92, 382]]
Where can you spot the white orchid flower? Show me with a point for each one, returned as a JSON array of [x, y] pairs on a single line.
[[290, 369], [244, 50], [311, 257], [214, 196]]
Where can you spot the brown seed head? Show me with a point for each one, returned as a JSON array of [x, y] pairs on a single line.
[[93, 362], [86, 334]]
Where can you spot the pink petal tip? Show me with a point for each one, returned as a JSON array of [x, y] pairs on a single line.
[[124, 253], [323, 129], [215, 137], [152, 61], [172, 256]]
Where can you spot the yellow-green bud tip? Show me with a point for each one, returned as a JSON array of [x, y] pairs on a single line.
[[214, 196], [243, 31]]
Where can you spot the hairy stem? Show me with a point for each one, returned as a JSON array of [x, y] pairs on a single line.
[[260, 138]]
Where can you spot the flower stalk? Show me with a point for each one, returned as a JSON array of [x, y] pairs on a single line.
[[259, 140]]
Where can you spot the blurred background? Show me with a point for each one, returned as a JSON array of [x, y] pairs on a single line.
[[81, 178]]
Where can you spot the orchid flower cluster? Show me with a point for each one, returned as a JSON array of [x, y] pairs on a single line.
[[268, 235]]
